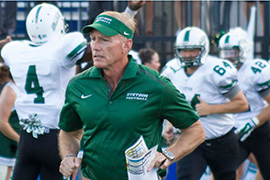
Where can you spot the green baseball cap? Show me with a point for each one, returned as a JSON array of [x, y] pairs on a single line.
[[109, 26]]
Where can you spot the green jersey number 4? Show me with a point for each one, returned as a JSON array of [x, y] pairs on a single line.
[[32, 85]]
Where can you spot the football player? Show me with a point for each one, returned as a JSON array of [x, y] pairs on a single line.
[[252, 126], [41, 69], [210, 85]]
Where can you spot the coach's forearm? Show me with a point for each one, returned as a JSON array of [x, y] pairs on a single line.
[[69, 142], [190, 139]]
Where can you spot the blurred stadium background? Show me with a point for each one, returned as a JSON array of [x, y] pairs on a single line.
[[164, 25]]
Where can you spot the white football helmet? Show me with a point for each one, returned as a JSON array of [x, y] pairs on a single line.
[[192, 38], [44, 23], [235, 46]]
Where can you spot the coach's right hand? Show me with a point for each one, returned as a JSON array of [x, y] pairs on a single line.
[[69, 164]]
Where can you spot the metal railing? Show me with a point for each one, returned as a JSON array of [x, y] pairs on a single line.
[[164, 25]]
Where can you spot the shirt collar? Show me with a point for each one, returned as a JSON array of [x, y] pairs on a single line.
[[130, 72]]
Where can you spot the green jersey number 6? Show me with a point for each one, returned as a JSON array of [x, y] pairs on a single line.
[[220, 70]]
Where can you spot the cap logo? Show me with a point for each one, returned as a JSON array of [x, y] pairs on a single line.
[[104, 19], [125, 33]]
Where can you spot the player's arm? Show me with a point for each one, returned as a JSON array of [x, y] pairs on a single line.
[[265, 114], [133, 7], [168, 133], [245, 130], [2, 44], [87, 58], [263, 88], [237, 103], [7, 99], [224, 77], [69, 146]]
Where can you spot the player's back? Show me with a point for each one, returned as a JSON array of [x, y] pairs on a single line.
[[41, 74]]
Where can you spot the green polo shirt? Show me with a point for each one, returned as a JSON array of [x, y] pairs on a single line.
[[114, 121]]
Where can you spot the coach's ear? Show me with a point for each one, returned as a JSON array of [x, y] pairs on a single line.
[[127, 45]]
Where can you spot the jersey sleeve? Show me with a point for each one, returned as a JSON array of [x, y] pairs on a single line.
[[73, 48], [69, 118], [170, 68], [7, 50], [261, 71], [166, 71], [224, 76], [175, 108]]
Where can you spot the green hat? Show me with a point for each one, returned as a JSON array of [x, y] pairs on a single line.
[[109, 26]]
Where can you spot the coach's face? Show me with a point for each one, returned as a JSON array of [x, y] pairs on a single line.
[[106, 50]]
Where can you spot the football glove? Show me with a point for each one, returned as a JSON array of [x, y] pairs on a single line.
[[244, 130]]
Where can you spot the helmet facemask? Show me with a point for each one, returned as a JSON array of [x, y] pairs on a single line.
[[234, 54], [190, 61]]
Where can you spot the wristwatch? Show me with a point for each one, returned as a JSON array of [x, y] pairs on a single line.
[[169, 155]]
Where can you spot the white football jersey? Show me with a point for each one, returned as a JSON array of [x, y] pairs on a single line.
[[211, 81], [254, 78], [41, 74]]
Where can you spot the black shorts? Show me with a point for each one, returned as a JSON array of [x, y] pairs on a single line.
[[219, 154], [258, 143], [38, 157]]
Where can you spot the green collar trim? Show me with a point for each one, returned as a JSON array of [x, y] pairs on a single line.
[[130, 72]]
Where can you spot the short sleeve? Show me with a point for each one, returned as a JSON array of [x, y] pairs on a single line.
[[175, 108], [225, 76], [73, 48], [263, 80], [170, 68], [7, 50], [262, 77], [69, 118]]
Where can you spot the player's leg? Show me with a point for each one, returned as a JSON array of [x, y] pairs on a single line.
[[50, 159], [26, 168], [260, 148], [243, 155], [192, 166], [222, 158], [9, 172]]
